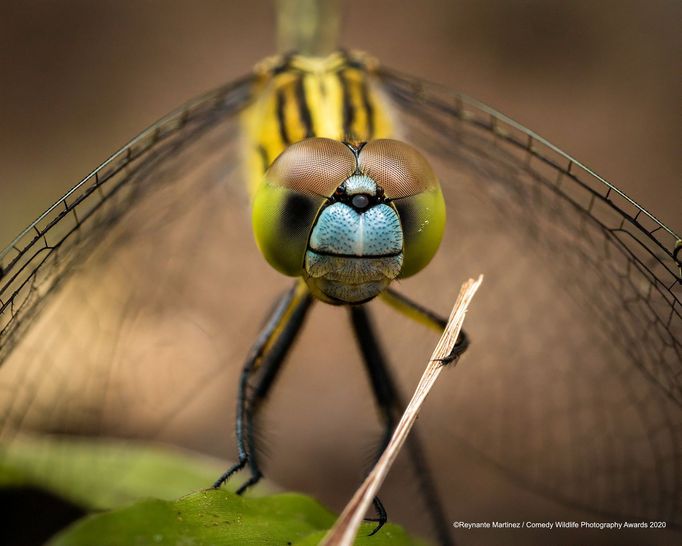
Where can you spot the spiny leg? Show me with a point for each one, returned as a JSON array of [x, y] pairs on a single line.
[[272, 363], [391, 407], [428, 318], [267, 355]]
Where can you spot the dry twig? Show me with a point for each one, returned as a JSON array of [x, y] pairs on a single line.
[[346, 527]]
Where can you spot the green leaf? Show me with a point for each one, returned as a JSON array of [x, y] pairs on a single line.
[[218, 518], [99, 474]]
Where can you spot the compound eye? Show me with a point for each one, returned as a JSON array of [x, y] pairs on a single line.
[[422, 217], [408, 180], [397, 167], [314, 165], [288, 199]]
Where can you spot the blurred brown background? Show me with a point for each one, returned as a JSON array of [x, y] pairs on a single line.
[[598, 79]]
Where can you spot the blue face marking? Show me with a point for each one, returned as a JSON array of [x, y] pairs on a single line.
[[354, 254], [341, 230]]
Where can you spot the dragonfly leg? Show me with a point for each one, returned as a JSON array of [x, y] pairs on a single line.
[[460, 346], [270, 367], [381, 518], [391, 407], [428, 318], [266, 356]]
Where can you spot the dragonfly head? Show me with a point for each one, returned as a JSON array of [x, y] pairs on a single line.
[[348, 218]]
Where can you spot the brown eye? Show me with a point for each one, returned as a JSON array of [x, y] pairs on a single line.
[[397, 167], [315, 165]]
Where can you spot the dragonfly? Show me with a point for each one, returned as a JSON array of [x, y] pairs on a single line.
[[127, 309]]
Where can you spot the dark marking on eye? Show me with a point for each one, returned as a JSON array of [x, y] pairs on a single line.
[[407, 216], [297, 215]]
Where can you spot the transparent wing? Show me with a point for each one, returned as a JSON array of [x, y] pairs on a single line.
[[572, 388], [95, 296], [39, 256]]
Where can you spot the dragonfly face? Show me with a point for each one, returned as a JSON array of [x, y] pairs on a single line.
[[349, 218]]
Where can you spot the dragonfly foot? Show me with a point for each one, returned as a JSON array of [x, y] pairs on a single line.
[[253, 480], [460, 347], [226, 475], [381, 518]]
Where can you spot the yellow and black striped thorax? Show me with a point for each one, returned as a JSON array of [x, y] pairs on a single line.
[[302, 97]]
